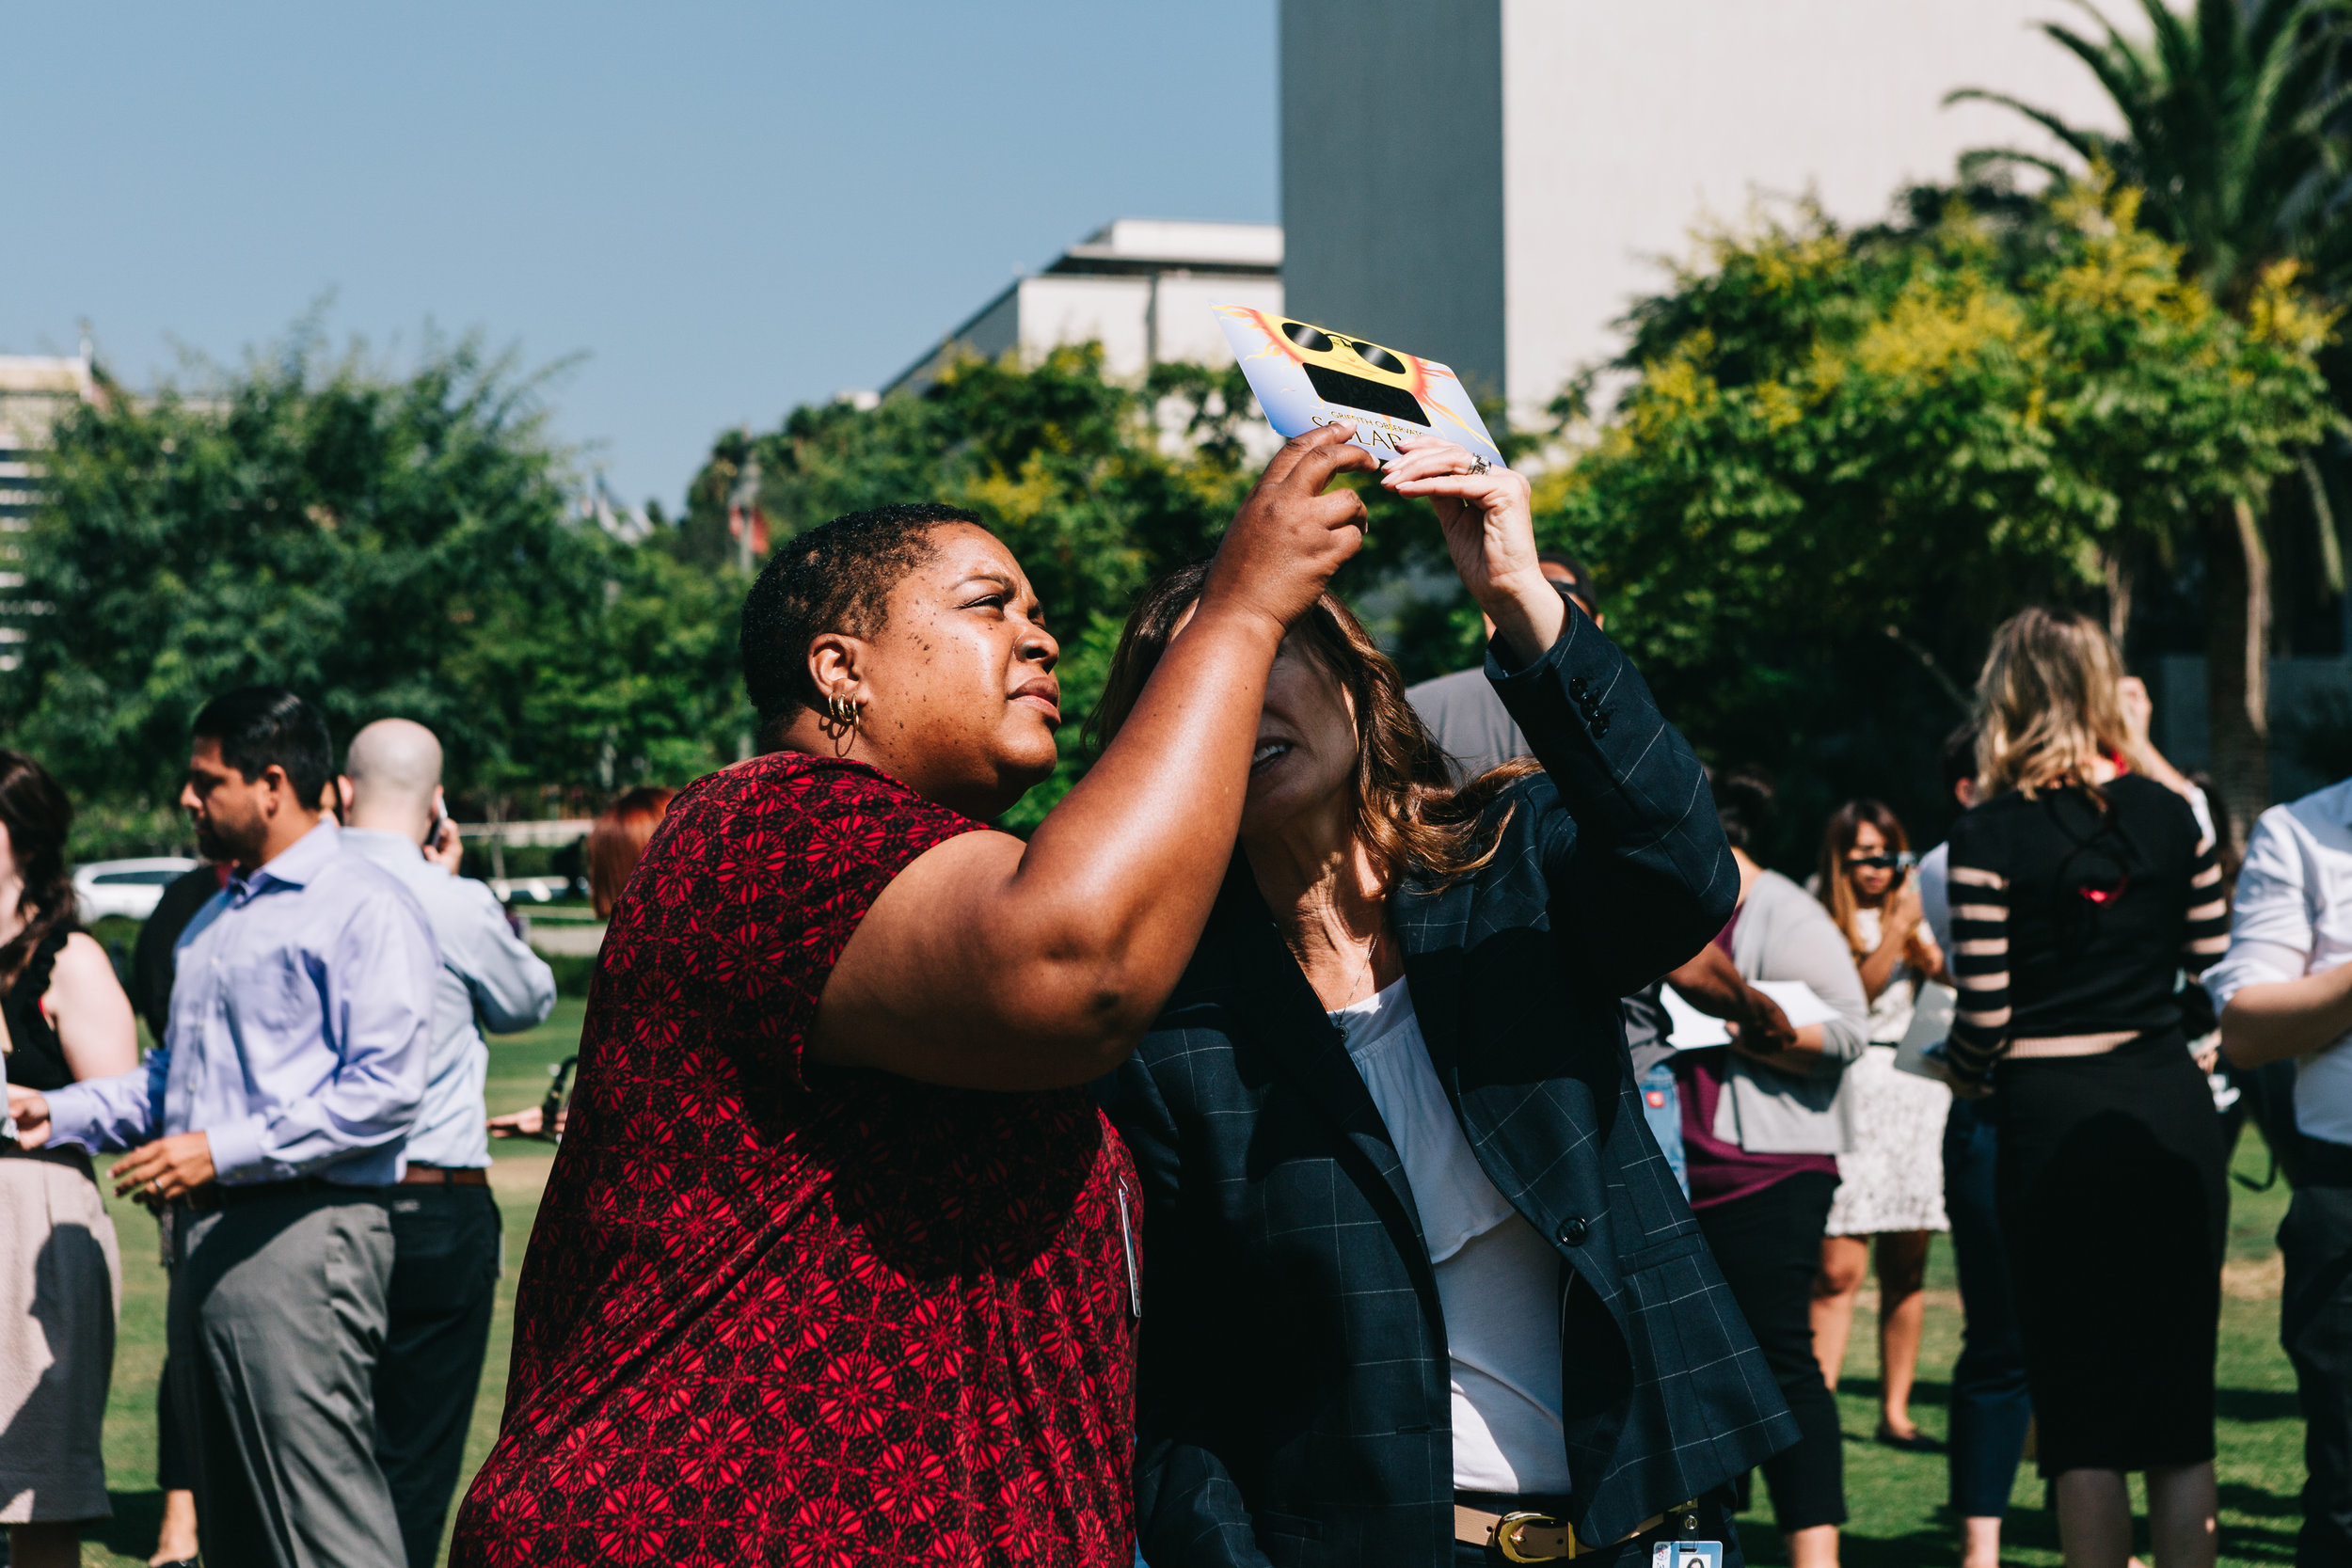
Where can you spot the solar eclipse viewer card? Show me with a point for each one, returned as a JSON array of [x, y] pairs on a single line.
[[1307, 376]]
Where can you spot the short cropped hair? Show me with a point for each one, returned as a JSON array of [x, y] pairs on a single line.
[[258, 726], [838, 576], [1580, 581], [1743, 801], [1959, 757]]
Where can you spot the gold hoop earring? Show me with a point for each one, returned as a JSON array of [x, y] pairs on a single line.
[[844, 711]]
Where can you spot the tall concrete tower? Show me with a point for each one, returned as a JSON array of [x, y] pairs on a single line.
[[1492, 182]]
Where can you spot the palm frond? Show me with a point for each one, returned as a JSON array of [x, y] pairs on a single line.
[[2086, 143], [1977, 160], [2122, 76]]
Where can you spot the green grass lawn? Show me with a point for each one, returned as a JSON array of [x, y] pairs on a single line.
[[1897, 1498]]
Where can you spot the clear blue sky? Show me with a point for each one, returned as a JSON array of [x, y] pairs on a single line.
[[729, 209]]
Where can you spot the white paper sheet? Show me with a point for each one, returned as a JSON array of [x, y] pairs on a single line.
[[1693, 1030], [1798, 1001], [1931, 1023]]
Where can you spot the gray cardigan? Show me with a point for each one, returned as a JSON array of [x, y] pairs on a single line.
[[1785, 934]]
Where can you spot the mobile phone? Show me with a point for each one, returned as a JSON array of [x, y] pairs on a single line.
[[559, 1089]]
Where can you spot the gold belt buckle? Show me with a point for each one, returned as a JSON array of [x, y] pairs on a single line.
[[1506, 1537]]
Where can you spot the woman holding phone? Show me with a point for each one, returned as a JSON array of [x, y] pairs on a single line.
[[1890, 1184]]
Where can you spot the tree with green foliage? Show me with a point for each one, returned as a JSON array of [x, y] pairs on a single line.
[[384, 544], [1844, 452], [2234, 117]]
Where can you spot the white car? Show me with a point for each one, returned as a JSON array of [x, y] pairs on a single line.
[[529, 889], [130, 889]]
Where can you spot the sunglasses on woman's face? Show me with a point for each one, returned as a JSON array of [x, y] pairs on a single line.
[[1878, 863]]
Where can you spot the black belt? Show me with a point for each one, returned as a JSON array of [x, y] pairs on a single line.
[[72, 1155], [1535, 1529], [445, 1176], [2321, 1163], [212, 1196]]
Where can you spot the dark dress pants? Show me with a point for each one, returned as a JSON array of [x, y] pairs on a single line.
[[174, 1470], [1992, 1407], [1769, 1246], [2315, 1326], [445, 1274]]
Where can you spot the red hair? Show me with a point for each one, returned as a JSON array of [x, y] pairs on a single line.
[[617, 843]]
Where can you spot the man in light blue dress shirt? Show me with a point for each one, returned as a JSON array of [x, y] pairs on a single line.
[[445, 1223], [271, 1123]]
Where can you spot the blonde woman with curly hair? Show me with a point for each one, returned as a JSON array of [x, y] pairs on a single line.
[[2080, 888]]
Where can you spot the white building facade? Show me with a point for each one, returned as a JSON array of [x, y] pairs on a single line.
[[1141, 287], [35, 392], [1493, 182]]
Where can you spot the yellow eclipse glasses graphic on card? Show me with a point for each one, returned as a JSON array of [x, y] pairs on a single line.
[[1306, 375], [1355, 373]]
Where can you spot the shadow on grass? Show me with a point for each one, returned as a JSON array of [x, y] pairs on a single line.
[[2259, 1502], [1924, 1391], [1928, 1547], [2256, 1404], [131, 1531], [2246, 1538], [2252, 1544]]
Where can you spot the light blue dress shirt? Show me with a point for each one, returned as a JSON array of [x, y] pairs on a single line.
[[301, 1026], [486, 967]]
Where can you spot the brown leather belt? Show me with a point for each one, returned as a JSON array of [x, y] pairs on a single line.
[[445, 1176], [1534, 1537]]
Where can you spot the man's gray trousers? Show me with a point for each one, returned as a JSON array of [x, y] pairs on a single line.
[[277, 1318]]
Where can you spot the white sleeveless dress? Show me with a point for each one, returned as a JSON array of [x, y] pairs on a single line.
[[1894, 1178]]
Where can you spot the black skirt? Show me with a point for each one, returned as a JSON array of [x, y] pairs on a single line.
[[2114, 1205]]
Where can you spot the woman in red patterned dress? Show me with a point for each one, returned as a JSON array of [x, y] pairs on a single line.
[[837, 1264]]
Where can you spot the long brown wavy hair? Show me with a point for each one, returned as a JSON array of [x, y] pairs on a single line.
[[1836, 887], [37, 816], [1409, 814]]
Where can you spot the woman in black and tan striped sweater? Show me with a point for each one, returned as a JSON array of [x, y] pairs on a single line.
[[2081, 890]]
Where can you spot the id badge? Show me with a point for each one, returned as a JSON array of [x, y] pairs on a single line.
[[1687, 1554]]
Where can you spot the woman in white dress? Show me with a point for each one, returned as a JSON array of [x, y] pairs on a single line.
[[1891, 1187]]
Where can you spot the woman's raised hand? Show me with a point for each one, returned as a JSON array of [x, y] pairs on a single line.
[[1489, 521], [1289, 537]]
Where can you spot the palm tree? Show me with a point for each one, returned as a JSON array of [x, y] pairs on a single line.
[[2235, 125]]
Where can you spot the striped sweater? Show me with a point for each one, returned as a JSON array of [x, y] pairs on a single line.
[[2074, 917]]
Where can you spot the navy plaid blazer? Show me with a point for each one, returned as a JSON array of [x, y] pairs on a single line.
[[1295, 1403]]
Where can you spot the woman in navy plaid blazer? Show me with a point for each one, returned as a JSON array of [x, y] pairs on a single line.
[[1418, 1285]]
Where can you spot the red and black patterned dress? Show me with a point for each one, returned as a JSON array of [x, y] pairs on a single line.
[[775, 1312]]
